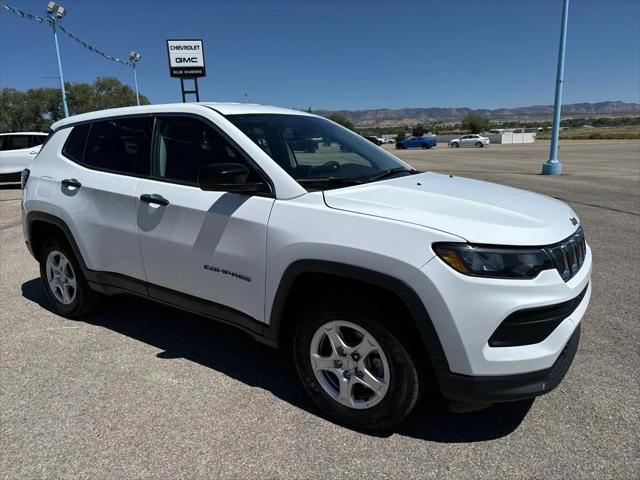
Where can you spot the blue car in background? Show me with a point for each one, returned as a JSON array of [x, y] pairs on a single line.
[[416, 142]]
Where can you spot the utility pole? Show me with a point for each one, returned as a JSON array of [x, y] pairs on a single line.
[[55, 13], [553, 165], [134, 58]]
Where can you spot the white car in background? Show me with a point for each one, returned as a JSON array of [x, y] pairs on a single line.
[[471, 140], [17, 149]]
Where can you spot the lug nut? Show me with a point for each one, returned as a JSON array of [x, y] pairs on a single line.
[[355, 356], [347, 374], [339, 363]]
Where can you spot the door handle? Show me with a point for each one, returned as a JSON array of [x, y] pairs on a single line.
[[154, 198], [71, 182]]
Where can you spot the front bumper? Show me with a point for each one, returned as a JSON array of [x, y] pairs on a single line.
[[502, 388], [466, 311]]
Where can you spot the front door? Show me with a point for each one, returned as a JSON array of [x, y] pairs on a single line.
[[209, 245]]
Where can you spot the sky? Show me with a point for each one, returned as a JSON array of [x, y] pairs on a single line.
[[342, 55]]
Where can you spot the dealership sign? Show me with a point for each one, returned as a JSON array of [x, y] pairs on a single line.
[[186, 58]]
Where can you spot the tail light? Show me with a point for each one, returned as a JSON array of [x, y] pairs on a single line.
[[24, 177]]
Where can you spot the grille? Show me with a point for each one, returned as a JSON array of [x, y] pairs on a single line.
[[568, 255]]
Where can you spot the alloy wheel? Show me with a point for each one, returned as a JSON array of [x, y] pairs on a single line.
[[349, 364], [61, 277]]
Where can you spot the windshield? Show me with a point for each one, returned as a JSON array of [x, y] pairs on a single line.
[[316, 152]]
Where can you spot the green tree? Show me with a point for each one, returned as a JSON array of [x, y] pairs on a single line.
[[37, 108], [401, 134], [475, 122], [418, 130], [340, 120]]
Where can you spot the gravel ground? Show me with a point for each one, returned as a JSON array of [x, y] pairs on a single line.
[[139, 390]]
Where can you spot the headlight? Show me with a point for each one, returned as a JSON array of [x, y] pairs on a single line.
[[494, 262]]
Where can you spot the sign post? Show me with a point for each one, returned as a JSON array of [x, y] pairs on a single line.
[[186, 61]]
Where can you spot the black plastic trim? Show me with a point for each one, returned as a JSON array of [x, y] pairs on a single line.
[[110, 283], [53, 220], [10, 177], [533, 325], [505, 388]]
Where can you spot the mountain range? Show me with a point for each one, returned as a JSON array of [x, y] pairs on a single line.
[[384, 117]]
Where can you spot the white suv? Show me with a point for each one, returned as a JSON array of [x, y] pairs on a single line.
[[16, 151], [387, 283]]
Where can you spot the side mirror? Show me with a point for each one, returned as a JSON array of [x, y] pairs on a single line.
[[228, 177]]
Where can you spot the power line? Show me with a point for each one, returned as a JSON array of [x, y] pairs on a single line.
[[48, 21]]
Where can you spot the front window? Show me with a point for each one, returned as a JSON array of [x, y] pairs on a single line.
[[316, 152]]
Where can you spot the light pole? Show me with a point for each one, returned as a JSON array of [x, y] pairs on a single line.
[[55, 13], [135, 57], [553, 165]]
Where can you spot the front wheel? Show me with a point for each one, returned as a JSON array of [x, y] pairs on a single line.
[[426, 146], [354, 368], [479, 145]]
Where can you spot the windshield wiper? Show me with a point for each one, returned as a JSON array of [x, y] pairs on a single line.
[[387, 173], [331, 180], [355, 180]]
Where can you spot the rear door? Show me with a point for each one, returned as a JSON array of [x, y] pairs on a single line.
[[95, 187], [208, 245]]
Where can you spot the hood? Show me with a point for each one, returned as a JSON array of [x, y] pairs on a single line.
[[479, 212]]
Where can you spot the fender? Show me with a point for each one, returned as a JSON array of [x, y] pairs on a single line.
[[414, 305]]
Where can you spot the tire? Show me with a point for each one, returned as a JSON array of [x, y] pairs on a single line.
[[73, 298], [388, 367], [455, 145], [479, 145], [425, 146]]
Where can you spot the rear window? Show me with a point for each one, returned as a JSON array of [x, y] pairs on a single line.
[[120, 145], [74, 146], [20, 141], [37, 140]]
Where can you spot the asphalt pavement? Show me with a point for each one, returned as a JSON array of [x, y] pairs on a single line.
[[138, 390]]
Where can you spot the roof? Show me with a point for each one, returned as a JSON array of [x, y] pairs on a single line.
[[246, 108], [24, 133], [222, 108]]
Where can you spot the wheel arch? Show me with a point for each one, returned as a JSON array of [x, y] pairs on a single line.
[[41, 225], [281, 322]]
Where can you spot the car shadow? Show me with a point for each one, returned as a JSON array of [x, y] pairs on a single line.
[[229, 351]]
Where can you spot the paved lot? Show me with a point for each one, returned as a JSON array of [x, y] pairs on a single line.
[[138, 390]]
